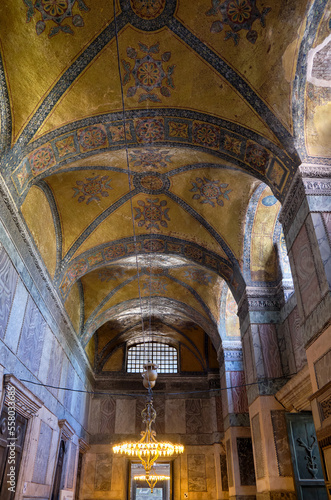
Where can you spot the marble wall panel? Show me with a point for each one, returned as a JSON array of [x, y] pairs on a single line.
[[103, 466], [16, 317], [286, 348], [256, 347], [196, 470], [224, 473], [259, 461], [281, 443], [32, 337], [175, 416], [270, 350], [239, 395], [306, 272], [323, 369], [320, 228], [55, 366], [77, 406], [8, 281], [42, 455], [296, 332], [124, 417], [193, 412], [72, 466], [69, 383], [248, 358], [246, 461], [107, 416], [229, 463], [219, 414], [46, 355]]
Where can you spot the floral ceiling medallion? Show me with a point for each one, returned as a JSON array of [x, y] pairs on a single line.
[[210, 191], [93, 188], [148, 9], [238, 15], [148, 73], [56, 11], [152, 213]]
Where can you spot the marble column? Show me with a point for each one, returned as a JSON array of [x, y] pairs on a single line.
[[306, 219], [237, 435], [259, 314]]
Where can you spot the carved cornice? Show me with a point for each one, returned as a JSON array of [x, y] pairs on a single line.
[[311, 170], [83, 446], [295, 394], [66, 430], [26, 403]]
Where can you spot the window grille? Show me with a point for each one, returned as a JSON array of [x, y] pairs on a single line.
[[164, 355]]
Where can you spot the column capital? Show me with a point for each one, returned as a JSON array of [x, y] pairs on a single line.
[[310, 179], [262, 304]]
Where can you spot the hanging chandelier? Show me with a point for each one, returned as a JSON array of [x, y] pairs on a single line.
[[152, 479], [148, 449]]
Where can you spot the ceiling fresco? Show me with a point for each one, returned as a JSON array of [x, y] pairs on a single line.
[[148, 147]]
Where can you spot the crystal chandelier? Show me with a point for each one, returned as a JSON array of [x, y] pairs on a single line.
[[148, 449]]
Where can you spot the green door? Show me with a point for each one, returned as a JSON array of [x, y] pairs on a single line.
[[308, 473]]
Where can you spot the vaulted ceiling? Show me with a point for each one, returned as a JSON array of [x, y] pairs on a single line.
[[149, 151]]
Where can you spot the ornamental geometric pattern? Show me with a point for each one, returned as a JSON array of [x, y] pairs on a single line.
[[199, 277], [148, 9], [92, 188], [154, 285], [148, 73], [152, 214], [238, 15], [209, 191], [150, 159], [55, 11]]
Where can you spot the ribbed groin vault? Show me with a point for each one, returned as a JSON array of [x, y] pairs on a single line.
[[165, 196]]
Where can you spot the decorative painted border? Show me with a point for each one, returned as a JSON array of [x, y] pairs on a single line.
[[5, 112], [253, 154], [162, 303], [120, 249]]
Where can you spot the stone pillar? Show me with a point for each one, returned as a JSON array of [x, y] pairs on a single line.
[[259, 316], [306, 219], [237, 435]]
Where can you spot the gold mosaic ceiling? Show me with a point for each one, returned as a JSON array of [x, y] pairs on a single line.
[[144, 189]]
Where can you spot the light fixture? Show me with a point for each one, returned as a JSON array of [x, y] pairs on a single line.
[[148, 449], [152, 479]]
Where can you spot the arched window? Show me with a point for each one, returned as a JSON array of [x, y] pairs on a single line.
[[164, 355]]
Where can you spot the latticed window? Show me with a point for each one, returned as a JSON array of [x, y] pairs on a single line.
[[164, 355]]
